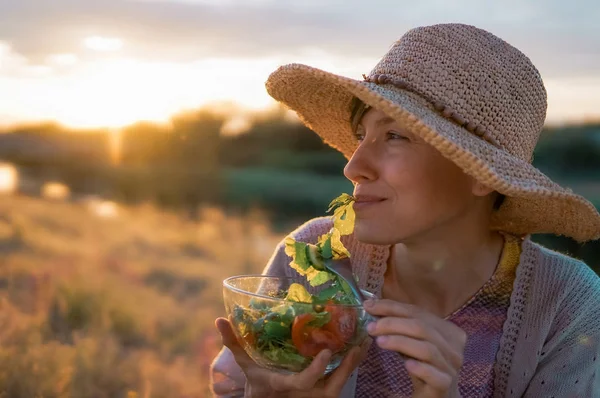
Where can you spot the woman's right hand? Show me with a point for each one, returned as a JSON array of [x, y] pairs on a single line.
[[264, 383]]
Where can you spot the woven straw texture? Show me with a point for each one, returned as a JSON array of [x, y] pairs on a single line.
[[475, 98]]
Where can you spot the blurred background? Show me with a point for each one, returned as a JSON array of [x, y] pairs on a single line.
[[142, 162]]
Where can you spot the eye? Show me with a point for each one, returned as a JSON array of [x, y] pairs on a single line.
[[393, 135], [359, 135]]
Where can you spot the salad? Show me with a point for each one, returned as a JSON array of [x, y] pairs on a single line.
[[291, 334]]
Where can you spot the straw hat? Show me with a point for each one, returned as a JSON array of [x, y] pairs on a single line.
[[472, 96]]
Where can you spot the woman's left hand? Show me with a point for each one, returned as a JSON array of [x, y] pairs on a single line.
[[434, 346]]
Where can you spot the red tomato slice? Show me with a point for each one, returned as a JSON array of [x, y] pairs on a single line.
[[309, 341], [343, 322]]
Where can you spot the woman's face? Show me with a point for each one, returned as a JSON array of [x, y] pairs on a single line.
[[404, 187]]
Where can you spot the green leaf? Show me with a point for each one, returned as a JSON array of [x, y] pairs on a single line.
[[239, 315], [328, 293], [297, 250], [288, 317], [321, 319], [301, 259], [281, 308], [345, 287], [284, 356], [298, 293], [326, 250], [277, 330], [321, 278], [258, 304]]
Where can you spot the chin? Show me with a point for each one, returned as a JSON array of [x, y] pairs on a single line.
[[373, 235]]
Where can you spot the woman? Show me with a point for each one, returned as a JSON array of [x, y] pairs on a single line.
[[440, 137]]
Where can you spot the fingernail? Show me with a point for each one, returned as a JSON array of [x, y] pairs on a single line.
[[381, 339], [371, 327], [368, 303]]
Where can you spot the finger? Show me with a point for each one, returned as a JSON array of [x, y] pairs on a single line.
[[338, 378], [385, 307], [420, 350], [226, 386], [230, 341], [304, 380], [418, 329], [429, 375], [409, 327]]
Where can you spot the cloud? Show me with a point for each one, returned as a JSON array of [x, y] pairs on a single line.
[[560, 37]]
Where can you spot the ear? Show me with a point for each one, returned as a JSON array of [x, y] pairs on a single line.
[[478, 189]]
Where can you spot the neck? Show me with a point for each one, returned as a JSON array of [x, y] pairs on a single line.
[[440, 270]]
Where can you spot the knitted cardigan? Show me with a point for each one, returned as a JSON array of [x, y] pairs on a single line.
[[550, 346]]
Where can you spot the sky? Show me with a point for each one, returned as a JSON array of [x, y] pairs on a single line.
[[90, 63]]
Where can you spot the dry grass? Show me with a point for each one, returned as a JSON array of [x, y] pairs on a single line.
[[122, 306]]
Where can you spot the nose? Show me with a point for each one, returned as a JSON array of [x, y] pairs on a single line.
[[361, 167]]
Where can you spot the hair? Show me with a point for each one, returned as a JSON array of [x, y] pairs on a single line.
[[499, 200], [357, 110]]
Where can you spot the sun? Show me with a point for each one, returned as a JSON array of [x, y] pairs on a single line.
[[109, 86], [121, 91]]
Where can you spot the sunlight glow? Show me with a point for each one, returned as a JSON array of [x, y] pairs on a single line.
[[115, 146], [62, 59], [55, 191], [8, 178], [117, 91], [99, 43], [114, 90], [236, 125], [103, 208]]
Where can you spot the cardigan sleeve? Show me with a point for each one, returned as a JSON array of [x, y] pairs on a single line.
[[226, 377], [569, 358]]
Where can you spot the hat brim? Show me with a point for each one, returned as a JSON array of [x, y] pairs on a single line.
[[534, 203]]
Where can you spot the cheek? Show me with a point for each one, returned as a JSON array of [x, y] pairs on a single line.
[[428, 191]]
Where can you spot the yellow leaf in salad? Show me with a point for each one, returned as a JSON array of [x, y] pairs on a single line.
[[298, 293], [337, 247]]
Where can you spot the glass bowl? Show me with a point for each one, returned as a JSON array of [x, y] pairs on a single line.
[[284, 335]]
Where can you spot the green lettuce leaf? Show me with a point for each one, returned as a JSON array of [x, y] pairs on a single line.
[[325, 245], [328, 293], [321, 319], [284, 356], [276, 330], [297, 251], [320, 278]]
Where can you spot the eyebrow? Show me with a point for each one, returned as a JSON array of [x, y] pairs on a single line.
[[382, 122]]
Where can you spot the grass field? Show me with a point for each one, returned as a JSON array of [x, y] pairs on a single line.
[[101, 301]]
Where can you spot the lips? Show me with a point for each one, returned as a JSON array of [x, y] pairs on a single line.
[[368, 198], [363, 202]]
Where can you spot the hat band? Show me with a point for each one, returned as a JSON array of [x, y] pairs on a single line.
[[439, 106]]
